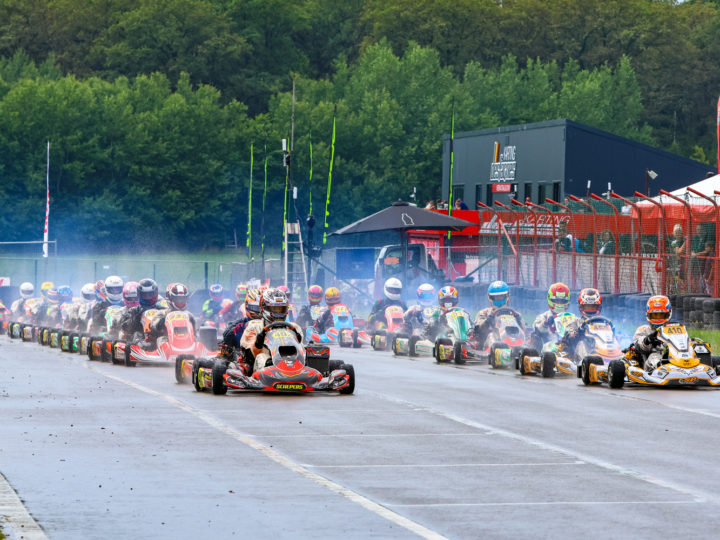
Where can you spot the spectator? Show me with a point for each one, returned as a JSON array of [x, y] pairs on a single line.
[[460, 205], [565, 241], [606, 246], [430, 205], [676, 263], [703, 262]]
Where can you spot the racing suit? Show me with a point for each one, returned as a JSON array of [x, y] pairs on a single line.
[[132, 326], [574, 332], [97, 321], [485, 321], [253, 341], [18, 308], [647, 345], [215, 310], [379, 307], [305, 318], [415, 319], [231, 310], [324, 320], [544, 326]]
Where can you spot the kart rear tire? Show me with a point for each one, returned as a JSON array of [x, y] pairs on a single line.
[[616, 374], [356, 339], [350, 388], [113, 352], [218, 381], [179, 376], [519, 360], [440, 341], [585, 367], [458, 357], [394, 348], [491, 358], [334, 364], [22, 332], [715, 361], [105, 356], [200, 362], [92, 340], [129, 362], [547, 365], [411, 345]]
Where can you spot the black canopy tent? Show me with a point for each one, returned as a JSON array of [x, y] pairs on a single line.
[[404, 217]]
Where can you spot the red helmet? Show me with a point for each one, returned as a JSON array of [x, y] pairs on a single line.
[[590, 302], [658, 310], [178, 296], [241, 292], [315, 294]]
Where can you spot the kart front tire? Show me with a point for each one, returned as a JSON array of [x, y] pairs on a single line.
[[355, 339], [218, 381], [129, 362], [436, 349], [547, 365], [616, 374], [458, 357], [585, 367], [350, 388], [411, 345], [179, 376]]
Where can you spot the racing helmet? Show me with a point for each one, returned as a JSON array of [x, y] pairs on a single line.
[[114, 289], [64, 294], [658, 310], [426, 295], [178, 296], [88, 292], [147, 292], [315, 294], [252, 304], [393, 289], [52, 295], [241, 292], [100, 290], [448, 297], [498, 294], [332, 296], [558, 298], [45, 287], [286, 290], [590, 302], [167, 289], [26, 290], [216, 292], [130, 294], [274, 305]]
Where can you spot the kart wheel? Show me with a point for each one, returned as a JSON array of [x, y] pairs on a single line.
[[715, 360], [355, 339], [179, 374], [105, 355], [218, 381], [394, 347], [492, 358], [83, 343], [30, 332], [436, 349], [334, 364], [519, 361], [129, 362], [200, 362], [113, 347], [350, 388], [616, 374], [585, 367], [91, 348], [458, 352], [547, 365], [411, 345]]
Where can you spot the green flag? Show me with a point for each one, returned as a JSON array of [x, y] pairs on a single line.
[[329, 184], [262, 218]]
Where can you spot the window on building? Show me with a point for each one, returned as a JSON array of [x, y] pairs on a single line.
[[478, 195], [556, 191], [541, 194], [528, 192], [489, 195]]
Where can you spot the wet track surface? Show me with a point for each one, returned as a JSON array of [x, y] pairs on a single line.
[[97, 451]]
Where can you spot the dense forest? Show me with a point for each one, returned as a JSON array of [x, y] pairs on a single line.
[[152, 107]]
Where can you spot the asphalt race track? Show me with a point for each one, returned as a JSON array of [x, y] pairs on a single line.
[[101, 451]]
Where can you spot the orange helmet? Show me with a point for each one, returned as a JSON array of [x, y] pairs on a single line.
[[658, 310], [332, 296], [590, 302]]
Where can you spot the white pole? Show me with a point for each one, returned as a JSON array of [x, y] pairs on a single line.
[[47, 202]]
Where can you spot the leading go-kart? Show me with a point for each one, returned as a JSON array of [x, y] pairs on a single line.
[[684, 362], [291, 368], [386, 327]]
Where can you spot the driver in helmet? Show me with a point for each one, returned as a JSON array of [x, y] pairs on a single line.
[[26, 293], [274, 308], [325, 318], [131, 321], [232, 335], [292, 312], [499, 297], [314, 296], [393, 297], [415, 314], [214, 305], [589, 305], [646, 343], [39, 309], [177, 299], [79, 312], [236, 309], [447, 300], [111, 294], [558, 302]]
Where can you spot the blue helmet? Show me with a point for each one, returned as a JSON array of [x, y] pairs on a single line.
[[64, 294], [498, 294], [426, 294]]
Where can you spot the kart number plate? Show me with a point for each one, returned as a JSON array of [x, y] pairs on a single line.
[[289, 386], [673, 329], [688, 380]]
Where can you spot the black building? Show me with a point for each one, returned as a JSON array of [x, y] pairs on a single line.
[[555, 159]]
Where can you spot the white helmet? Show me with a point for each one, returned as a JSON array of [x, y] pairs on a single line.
[[88, 292], [393, 289], [27, 290], [426, 295], [114, 288]]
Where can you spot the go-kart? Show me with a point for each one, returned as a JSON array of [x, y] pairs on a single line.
[[100, 346], [553, 358], [386, 327], [413, 340], [291, 368], [4, 319], [456, 342], [343, 330], [504, 340], [684, 361], [179, 343], [207, 336]]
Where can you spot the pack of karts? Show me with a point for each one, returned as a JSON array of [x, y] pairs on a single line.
[[343, 331], [290, 368]]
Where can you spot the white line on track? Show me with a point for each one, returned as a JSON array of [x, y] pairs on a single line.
[[445, 465], [542, 503], [286, 462], [698, 495], [16, 516]]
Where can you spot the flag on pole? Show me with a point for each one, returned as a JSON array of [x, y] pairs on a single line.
[[47, 202], [452, 161], [310, 177], [262, 216], [329, 184], [248, 242]]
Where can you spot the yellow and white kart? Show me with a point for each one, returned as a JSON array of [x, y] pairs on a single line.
[[553, 358], [684, 361]]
